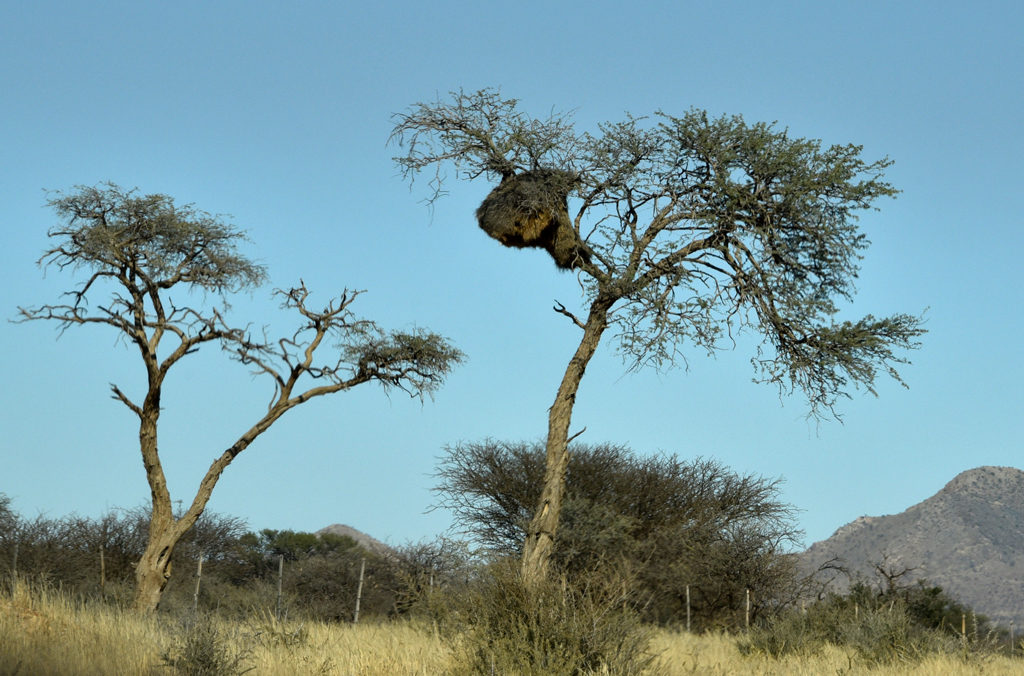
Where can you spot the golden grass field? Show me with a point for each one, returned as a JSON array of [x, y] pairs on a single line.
[[43, 632]]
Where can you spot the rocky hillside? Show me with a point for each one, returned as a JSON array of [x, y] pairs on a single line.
[[365, 541], [968, 538]]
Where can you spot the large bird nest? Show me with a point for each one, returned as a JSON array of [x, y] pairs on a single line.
[[531, 210]]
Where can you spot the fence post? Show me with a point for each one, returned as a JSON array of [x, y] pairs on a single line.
[[1011, 638], [103, 572], [280, 574], [359, 593], [199, 578], [747, 618], [687, 608]]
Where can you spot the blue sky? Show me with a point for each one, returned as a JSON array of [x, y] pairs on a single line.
[[279, 115]]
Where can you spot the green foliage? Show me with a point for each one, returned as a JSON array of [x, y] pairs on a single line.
[[696, 227], [68, 550], [8, 519], [240, 568], [895, 624], [321, 573], [677, 523], [557, 629], [203, 649], [416, 362], [877, 634], [295, 545], [429, 574], [111, 230], [930, 606]]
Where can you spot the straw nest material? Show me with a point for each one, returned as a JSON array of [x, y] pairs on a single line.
[[531, 210]]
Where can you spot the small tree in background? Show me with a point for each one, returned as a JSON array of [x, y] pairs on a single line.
[[683, 230], [137, 250], [431, 572]]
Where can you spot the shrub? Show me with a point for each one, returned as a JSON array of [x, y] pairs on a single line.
[[682, 524], [203, 649], [881, 631], [555, 629]]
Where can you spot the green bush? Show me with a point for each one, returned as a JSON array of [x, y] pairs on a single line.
[[555, 629], [682, 524], [202, 649], [880, 629]]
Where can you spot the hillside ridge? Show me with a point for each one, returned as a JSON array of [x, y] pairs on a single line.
[[968, 538], [365, 541]]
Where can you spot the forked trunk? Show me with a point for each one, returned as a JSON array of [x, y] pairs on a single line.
[[540, 536], [154, 570], [165, 531]]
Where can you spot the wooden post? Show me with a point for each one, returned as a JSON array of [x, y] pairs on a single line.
[[687, 608], [359, 593], [103, 572], [748, 611], [280, 575], [199, 578], [963, 626], [1011, 638]]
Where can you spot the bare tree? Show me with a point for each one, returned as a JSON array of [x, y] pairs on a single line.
[[891, 570], [138, 249], [683, 230]]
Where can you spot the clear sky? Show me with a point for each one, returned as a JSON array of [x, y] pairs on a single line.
[[278, 114]]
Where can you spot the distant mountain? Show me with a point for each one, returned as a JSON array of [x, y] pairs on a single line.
[[364, 540], [968, 538]]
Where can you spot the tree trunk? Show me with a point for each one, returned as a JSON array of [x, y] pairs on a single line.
[[154, 569], [540, 536], [165, 531]]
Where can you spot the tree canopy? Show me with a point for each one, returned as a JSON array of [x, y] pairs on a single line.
[[694, 229], [699, 226]]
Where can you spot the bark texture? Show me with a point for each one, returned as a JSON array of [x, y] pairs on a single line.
[[540, 536]]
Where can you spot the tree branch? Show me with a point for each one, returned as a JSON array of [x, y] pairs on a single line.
[[120, 396], [560, 309]]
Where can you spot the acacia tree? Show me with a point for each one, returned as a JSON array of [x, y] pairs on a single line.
[[136, 251], [694, 228]]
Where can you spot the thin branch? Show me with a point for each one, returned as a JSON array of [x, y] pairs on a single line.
[[120, 396], [570, 439], [560, 309]]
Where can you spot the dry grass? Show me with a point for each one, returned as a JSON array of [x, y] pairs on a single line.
[[44, 632], [718, 655], [365, 650]]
